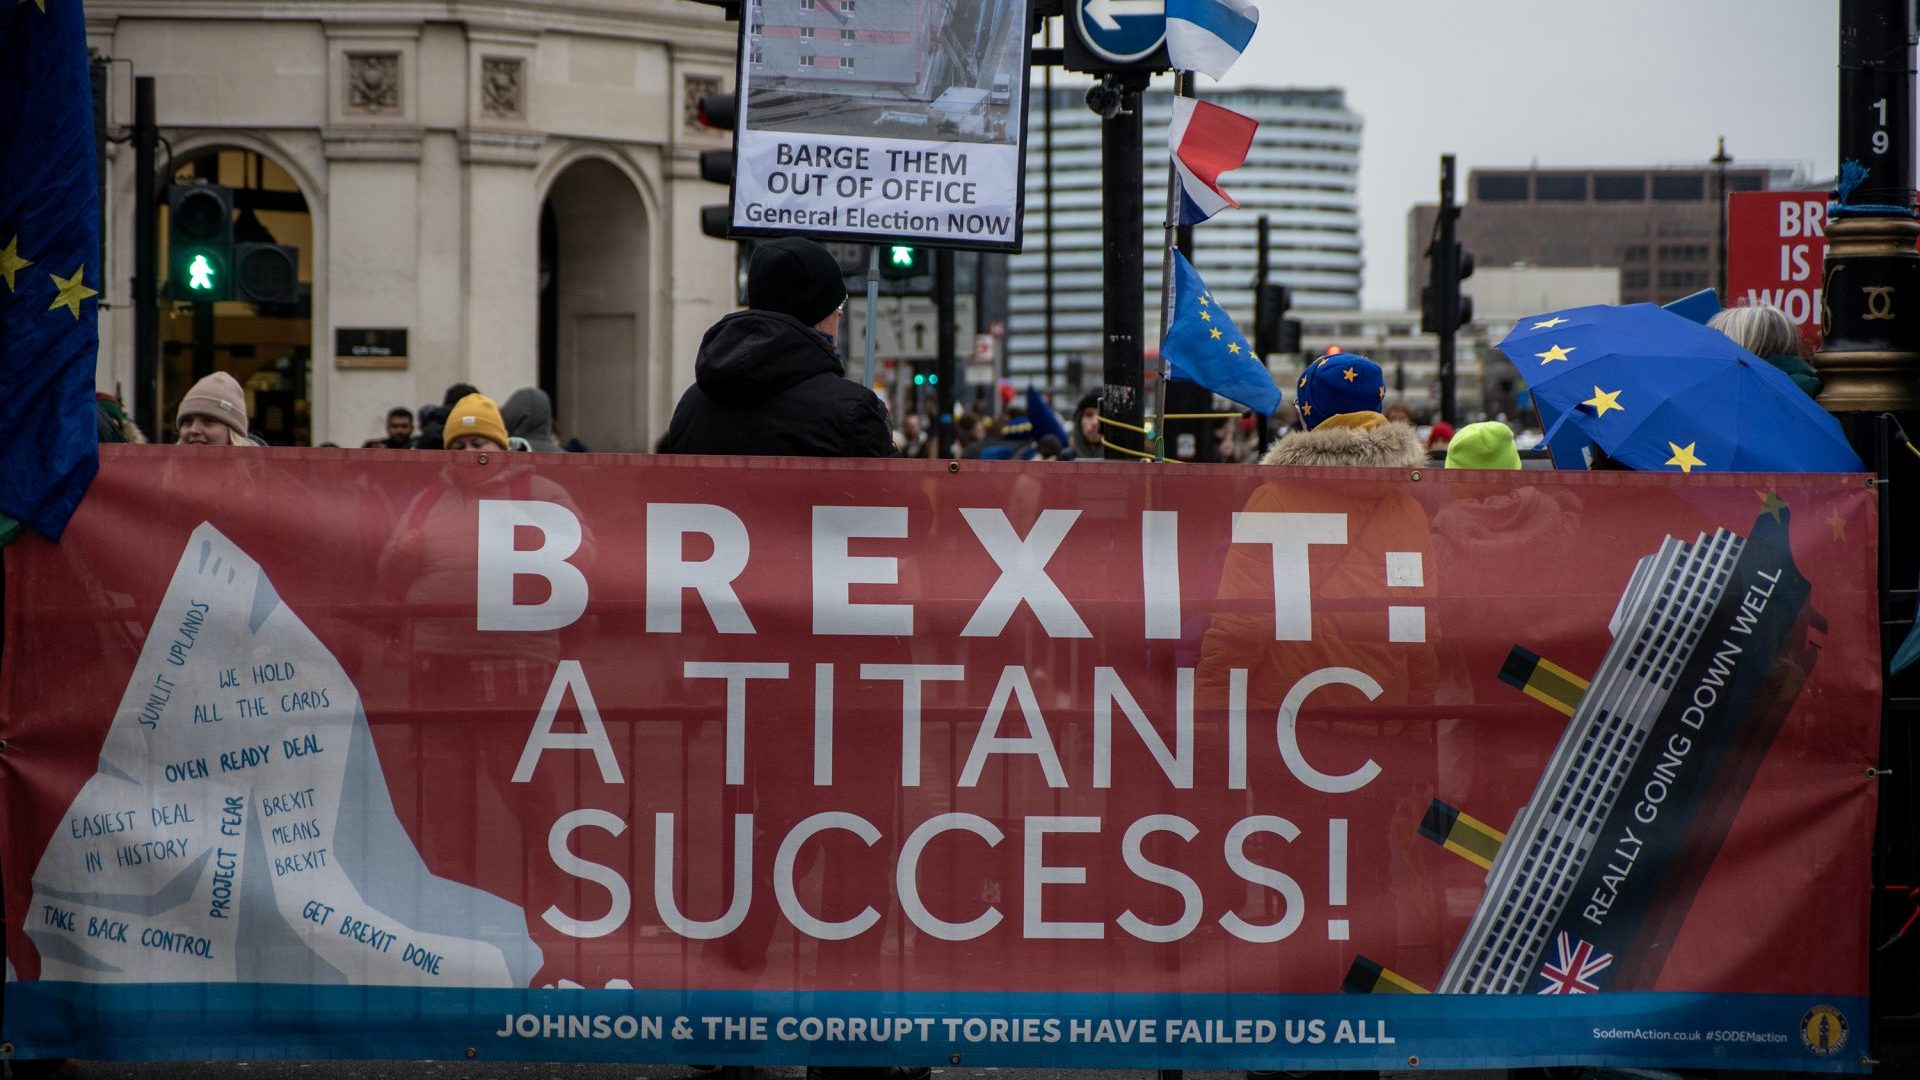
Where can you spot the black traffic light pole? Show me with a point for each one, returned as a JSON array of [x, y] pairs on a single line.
[[944, 365], [146, 262], [1122, 208], [1446, 287]]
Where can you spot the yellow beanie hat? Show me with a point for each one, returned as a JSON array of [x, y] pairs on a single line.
[[475, 414]]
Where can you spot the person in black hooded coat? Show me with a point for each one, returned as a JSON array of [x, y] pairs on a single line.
[[767, 379]]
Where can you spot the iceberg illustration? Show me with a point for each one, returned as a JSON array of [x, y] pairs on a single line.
[[238, 827]]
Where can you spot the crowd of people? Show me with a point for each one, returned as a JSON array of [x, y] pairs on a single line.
[[768, 380]]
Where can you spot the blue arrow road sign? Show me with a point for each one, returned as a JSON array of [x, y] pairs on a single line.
[[1121, 31]]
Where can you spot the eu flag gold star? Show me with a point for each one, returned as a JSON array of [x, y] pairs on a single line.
[[10, 261], [1602, 400], [1214, 333], [1206, 317], [1771, 503], [1549, 324], [1233, 347], [1555, 353], [1350, 375], [1683, 456], [71, 291], [1204, 301], [41, 4], [1306, 408]]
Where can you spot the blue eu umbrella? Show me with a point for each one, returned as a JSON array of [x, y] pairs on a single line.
[[1659, 392]]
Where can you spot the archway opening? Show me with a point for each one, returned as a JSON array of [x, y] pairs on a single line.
[[594, 243], [267, 347]]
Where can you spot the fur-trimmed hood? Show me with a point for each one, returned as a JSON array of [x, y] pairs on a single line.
[[1385, 445]]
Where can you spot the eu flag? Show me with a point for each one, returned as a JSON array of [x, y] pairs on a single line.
[[1202, 345], [49, 263]]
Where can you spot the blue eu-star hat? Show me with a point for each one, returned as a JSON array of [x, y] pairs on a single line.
[[1340, 383]]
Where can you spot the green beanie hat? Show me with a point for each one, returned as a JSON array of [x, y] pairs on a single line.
[[1486, 445]]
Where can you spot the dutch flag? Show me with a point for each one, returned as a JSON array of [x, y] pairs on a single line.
[[1206, 140], [1209, 35]]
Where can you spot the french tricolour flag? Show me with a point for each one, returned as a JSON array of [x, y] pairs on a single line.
[[1206, 141], [1209, 35]]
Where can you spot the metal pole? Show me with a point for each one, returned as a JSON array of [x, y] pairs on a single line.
[[944, 366], [1177, 237], [873, 304], [146, 262], [1263, 246], [1446, 287], [1046, 200], [1122, 398], [1870, 359]]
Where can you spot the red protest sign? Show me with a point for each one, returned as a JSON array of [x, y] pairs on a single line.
[[1777, 253], [1776, 248]]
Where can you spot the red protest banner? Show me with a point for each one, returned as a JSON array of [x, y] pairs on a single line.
[[1030, 765], [1777, 253]]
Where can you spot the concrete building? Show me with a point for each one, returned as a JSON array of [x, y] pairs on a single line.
[[511, 188], [1303, 173], [1658, 224]]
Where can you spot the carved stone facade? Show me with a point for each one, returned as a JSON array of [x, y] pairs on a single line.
[[373, 82], [427, 152], [501, 93]]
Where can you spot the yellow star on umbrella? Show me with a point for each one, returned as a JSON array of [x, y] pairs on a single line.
[[1555, 353], [1351, 375], [1683, 456], [1214, 333], [1602, 400], [1549, 324], [71, 291], [10, 261]]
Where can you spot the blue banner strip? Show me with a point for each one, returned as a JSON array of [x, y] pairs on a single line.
[[1165, 1031]]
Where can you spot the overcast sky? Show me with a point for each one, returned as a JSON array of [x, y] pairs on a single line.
[[1514, 82]]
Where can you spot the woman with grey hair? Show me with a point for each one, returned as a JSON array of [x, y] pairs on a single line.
[[1765, 331]]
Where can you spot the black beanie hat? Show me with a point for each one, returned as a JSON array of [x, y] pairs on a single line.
[[794, 276]]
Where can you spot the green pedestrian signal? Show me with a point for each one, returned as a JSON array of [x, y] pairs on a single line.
[[900, 261], [200, 274], [199, 241]]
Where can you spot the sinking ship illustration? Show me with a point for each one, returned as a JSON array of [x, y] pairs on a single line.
[[238, 826], [1712, 642]]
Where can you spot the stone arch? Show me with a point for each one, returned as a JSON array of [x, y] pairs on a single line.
[[275, 352], [597, 313]]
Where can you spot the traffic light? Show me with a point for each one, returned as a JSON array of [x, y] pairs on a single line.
[[199, 241], [1443, 307], [901, 261], [717, 111], [1462, 270], [266, 273], [1270, 303]]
